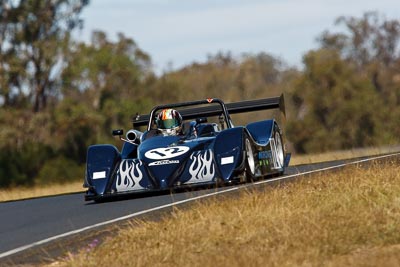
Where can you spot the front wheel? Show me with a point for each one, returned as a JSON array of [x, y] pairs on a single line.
[[250, 161], [279, 151], [280, 157]]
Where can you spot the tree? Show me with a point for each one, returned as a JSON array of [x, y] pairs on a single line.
[[331, 110], [372, 43], [104, 70], [223, 76], [348, 95], [109, 78], [368, 39], [35, 35]]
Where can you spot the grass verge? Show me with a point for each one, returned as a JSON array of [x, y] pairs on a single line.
[[344, 154], [40, 191], [344, 218]]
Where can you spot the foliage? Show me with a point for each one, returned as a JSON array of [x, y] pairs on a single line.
[[369, 39], [105, 71], [331, 102], [78, 127], [223, 76], [346, 96], [34, 37], [59, 170], [20, 166]]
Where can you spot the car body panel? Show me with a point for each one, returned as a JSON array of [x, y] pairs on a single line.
[[202, 155]]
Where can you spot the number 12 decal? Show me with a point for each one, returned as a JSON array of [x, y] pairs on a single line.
[[166, 152]]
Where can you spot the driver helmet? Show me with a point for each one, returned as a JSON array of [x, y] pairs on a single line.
[[169, 122]]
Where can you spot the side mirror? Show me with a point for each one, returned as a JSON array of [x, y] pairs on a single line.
[[117, 132]]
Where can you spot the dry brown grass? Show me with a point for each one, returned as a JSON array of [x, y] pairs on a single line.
[[345, 154], [344, 218], [39, 191]]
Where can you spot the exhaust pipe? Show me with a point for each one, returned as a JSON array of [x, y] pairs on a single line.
[[134, 136]]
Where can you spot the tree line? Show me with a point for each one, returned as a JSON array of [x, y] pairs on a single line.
[[58, 96]]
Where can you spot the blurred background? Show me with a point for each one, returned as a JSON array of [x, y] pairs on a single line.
[[73, 70]]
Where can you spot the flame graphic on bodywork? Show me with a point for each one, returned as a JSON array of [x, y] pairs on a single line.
[[202, 168], [129, 175]]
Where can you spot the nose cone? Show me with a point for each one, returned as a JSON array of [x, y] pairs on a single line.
[[163, 184], [165, 171], [164, 158]]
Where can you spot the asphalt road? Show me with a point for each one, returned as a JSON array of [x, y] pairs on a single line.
[[28, 224]]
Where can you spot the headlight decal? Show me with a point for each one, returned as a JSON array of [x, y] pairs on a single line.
[[99, 175], [227, 160]]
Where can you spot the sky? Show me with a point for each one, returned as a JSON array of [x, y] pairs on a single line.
[[176, 33]]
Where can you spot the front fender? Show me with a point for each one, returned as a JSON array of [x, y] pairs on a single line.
[[100, 166], [261, 131], [228, 151]]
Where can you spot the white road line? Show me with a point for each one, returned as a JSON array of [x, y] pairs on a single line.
[[41, 242]]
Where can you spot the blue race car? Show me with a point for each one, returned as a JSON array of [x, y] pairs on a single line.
[[188, 144]]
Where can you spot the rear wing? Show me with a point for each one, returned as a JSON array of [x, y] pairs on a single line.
[[215, 110]]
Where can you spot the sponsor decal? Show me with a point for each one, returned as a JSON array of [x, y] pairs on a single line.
[[129, 175], [227, 160], [164, 162], [264, 155], [99, 175], [166, 152], [202, 168]]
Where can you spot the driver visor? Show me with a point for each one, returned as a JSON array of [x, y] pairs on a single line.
[[169, 123]]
